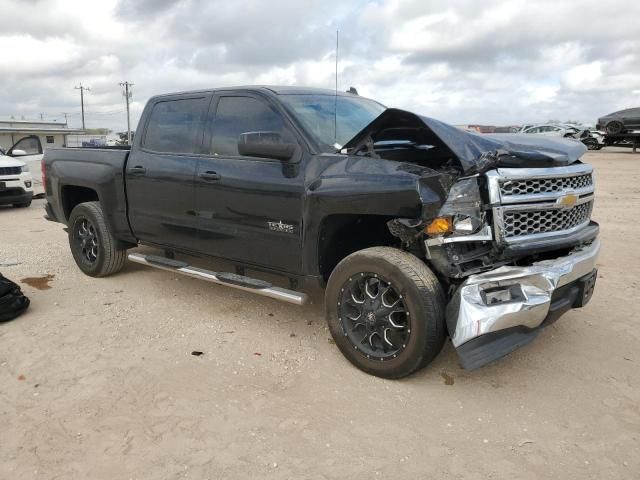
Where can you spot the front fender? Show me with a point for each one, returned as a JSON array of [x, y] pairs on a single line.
[[344, 185]]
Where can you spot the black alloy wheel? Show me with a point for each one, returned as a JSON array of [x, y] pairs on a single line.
[[94, 248], [374, 317], [87, 238], [385, 311]]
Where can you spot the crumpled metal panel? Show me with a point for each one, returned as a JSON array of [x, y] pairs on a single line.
[[469, 317], [477, 153]]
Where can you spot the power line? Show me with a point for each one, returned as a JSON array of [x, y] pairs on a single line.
[[127, 96], [82, 89]]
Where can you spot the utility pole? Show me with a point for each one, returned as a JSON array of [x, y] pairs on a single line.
[[41, 115], [82, 89], [65, 118], [127, 96]]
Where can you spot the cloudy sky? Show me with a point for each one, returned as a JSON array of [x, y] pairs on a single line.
[[468, 61]]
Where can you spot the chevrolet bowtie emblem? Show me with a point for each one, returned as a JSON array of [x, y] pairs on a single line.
[[568, 200]]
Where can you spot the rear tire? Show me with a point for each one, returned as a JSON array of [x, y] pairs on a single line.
[[614, 127], [96, 252], [416, 335]]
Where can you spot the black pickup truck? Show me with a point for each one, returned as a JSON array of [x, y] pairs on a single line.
[[417, 229]]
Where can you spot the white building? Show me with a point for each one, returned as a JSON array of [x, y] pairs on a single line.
[[51, 134]]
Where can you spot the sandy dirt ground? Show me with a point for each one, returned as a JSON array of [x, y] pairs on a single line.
[[98, 380]]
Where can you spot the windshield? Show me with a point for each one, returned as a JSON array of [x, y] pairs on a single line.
[[316, 112]]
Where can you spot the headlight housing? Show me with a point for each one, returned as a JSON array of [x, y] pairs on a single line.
[[466, 225], [461, 213]]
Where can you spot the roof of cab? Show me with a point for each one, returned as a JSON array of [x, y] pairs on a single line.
[[274, 89]]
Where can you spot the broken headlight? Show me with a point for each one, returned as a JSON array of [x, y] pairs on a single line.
[[466, 225], [464, 207]]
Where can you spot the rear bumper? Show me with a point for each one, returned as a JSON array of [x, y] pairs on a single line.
[[494, 313]]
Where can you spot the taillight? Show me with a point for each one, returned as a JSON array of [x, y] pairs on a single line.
[[44, 174]]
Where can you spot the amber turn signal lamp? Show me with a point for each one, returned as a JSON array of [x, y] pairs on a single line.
[[439, 226]]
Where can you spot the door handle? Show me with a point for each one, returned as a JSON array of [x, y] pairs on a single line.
[[209, 175], [137, 170]]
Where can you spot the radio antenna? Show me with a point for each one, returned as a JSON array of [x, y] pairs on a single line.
[[335, 102]]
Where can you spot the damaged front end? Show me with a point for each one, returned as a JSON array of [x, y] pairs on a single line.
[[513, 241]]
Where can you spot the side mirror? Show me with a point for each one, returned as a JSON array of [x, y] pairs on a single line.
[[265, 145], [18, 153]]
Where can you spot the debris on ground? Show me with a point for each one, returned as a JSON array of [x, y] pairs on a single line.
[[448, 379]]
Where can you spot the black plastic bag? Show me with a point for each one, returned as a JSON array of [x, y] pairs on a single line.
[[12, 301]]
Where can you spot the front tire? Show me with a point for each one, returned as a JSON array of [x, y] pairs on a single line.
[[385, 311], [96, 252], [22, 205]]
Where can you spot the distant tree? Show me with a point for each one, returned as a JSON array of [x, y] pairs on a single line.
[[98, 131]]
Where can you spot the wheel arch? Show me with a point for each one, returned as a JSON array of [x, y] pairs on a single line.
[[73, 195], [340, 235]]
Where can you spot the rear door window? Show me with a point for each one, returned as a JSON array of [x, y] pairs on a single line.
[[175, 126], [236, 115]]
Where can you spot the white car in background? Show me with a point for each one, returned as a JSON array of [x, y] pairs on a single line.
[[551, 130], [28, 150], [16, 181], [593, 139]]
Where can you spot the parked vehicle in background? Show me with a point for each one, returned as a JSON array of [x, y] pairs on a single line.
[[592, 139], [620, 122], [417, 229], [551, 130], [25, 155], [16, 181], [525, 127], [95, 143]]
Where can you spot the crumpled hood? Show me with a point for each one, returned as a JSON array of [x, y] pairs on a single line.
[[475, 152]]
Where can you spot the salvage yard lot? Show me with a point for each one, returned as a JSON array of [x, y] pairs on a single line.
[[98, 379]]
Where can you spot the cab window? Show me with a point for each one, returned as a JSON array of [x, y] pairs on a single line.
[[175, 126]]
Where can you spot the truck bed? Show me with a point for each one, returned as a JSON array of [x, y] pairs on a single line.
[[80, 171]]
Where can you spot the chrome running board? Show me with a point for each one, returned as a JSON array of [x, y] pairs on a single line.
[[232, 280]]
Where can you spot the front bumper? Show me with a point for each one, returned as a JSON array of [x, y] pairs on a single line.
[[16, 188], [496, 312]]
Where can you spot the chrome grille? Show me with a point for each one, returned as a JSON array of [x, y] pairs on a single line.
[[532, 203], [545, 185], [10, 170], [531, 222]]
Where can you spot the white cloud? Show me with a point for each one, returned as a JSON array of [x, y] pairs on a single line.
[[584, 77], [26, 55], [496, 61]]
